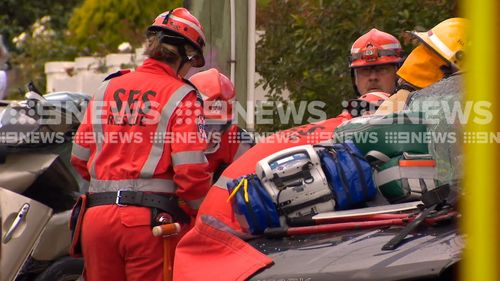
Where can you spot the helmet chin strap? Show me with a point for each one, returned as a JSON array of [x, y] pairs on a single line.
[[184, 58]]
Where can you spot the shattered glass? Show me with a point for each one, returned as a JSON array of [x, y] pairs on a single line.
[[445, 115]]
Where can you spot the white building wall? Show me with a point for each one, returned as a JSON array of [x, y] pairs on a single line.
[[90, 71], [85, 74], [60, 76]]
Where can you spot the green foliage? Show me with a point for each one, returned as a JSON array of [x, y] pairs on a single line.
[[17, 16], [101, 25], [41, 44], [37, 42], [96, 27], [306, 43]]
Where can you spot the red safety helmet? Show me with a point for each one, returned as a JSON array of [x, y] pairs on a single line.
[[374, 48], [367, 103], [218, 95], [178, 24]]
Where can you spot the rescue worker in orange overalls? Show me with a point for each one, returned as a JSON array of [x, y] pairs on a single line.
[[141, 147], [214, 249], [439, 54], [226, 142], [375, 57]]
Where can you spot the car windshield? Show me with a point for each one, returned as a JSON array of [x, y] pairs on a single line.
[[442, 106]]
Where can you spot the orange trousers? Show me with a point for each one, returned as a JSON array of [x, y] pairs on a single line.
[[118, 245]]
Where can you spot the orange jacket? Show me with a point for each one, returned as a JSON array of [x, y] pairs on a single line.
[[140, 132], [213, 249]]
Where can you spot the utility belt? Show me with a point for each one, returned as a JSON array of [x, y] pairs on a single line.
[[166, 203], [163, 207]]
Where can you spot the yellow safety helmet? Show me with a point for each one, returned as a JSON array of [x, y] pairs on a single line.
[[442, 48]]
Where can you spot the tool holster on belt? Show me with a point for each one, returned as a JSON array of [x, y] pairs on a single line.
[[75, 226]]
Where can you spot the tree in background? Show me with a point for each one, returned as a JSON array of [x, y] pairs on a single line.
[[40, 31], [101, 25], [41, 42], [34, 34], [306, 44], [19, 15]]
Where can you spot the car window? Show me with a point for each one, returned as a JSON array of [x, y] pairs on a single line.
[[441, 105]]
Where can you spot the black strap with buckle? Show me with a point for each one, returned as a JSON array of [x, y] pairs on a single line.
[[165, 203]]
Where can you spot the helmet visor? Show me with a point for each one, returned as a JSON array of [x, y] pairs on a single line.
[[422, 68], [171, 39]]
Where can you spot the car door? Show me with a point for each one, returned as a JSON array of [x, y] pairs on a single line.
[[23, 219]]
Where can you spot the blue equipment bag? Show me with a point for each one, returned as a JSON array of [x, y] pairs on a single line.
[[348, 173], [252, 204]]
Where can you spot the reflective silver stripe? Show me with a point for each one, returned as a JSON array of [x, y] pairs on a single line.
[[222, 182], [441, 46], [391, 46], [216, 223], [80, 152], [195, 204], [192, 25], [378, 155], [242, 148], [153, 185], [415, 185], [188, 157], [157, 147], [397, 172], [96, 124], [430, 183]]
